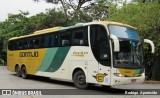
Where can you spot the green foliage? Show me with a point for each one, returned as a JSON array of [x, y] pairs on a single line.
[[72, 9], [98, 10], [20, 24], [46, 20], [13, 26]]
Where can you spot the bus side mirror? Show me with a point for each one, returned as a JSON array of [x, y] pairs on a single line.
[[116, 43], [151, 43]]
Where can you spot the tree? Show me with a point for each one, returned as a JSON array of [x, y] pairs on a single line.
[[71, 8], [49, 19], [82, 10], [98, 10], [20, 24], [13, 26]]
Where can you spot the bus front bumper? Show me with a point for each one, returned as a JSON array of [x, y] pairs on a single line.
[[127, 80]]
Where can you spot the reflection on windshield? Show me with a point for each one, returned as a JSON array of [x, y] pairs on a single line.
[[123, 32], [130, 55]]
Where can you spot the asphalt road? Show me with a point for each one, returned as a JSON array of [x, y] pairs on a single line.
[[8, 80]]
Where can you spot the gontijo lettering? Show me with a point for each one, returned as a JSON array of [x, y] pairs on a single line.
[[28, 54]]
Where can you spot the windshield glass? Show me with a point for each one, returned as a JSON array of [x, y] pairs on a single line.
[[130, 55], [123, 32], [131, 52]]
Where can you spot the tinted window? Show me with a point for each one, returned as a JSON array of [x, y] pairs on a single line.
[[65, 38], [75, 37], [49, 40], [25, 44], [100, 44], [80, 36], [42, 42], [11, 45], [31, 43], [20, 44]]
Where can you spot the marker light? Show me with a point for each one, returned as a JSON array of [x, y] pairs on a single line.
[[118, 75]]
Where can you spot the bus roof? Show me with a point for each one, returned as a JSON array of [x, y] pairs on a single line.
[[48, 30], [59, 28], [109, 22]]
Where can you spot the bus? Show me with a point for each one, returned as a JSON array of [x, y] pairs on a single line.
[[102, 52]]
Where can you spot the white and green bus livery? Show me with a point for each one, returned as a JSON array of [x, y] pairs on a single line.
[[105, 53]]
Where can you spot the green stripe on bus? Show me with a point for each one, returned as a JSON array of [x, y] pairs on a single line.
[[139, 71], [47, 60], [58, 57]]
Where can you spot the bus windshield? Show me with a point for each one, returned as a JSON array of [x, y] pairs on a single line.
[[123, 32], [131, 53]]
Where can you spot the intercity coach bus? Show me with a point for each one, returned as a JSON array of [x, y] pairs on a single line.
[[103, 52]]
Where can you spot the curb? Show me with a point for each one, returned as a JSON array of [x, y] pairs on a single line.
[[152, 82]]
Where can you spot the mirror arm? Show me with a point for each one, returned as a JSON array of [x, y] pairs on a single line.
[[151, 43], [116, 43]]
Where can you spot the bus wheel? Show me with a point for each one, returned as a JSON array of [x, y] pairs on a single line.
[[24, 72], [18, 71], [79, 80]]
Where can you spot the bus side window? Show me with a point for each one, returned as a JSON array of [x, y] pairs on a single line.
[[37, 43], [80, 37], [65, 38], [77, 37], [57, 39], [42, 42], [25, 44], [20, 45], [11, 45], [31, 43], [16, 45], [85, 36], [49, 40]]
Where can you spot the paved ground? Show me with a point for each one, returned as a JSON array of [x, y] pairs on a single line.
[[9, 80]]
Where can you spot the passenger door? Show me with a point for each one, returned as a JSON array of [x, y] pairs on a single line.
[[101, 51]]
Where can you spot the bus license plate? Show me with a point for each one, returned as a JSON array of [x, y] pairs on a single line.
[[133, 80]]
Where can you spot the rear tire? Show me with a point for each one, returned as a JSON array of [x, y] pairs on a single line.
[[79, 80], [24, 72], [18, 71]]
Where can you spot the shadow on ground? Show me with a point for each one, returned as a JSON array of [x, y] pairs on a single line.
[[92, 90]]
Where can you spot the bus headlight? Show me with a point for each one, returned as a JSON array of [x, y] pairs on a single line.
[[118, 75], [143, 74]]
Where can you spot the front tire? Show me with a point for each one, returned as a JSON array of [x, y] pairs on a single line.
[[79, 80], [24, 72]]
